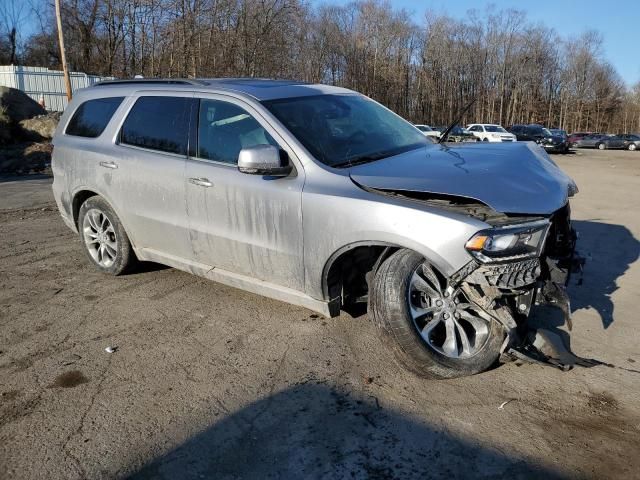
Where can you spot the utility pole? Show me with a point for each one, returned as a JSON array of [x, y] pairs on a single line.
[[63, 57]]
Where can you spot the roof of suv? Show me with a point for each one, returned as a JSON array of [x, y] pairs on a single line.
[[258, 88]]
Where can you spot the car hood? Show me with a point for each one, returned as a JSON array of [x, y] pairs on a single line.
[[515, 178]]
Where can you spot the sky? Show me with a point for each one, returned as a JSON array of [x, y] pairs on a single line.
[[617, 20]]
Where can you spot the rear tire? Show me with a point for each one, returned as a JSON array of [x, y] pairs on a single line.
[[601, 146], [632, 147], [105, 241], [391, 307]]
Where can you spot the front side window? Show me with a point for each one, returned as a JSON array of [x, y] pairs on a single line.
[[344, 130], [92, 117], [224, 129], [495, 129], [158, 123]]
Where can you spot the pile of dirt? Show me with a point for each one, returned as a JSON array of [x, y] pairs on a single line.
[[25, 129], [25, 158], [19, 106], [5, 126], [40, 127]]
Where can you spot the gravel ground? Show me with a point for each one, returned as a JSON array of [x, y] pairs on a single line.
[[211, 382]]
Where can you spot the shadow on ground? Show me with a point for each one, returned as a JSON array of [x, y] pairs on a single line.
[[610, 250], [312, 431]]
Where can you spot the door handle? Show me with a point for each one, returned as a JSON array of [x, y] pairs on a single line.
[[108, 165], [201, 182]]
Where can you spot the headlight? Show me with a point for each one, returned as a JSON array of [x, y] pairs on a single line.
[[509, 243]]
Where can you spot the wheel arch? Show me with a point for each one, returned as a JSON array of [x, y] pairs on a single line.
[[78, 199], [347, 273], [81, 195]]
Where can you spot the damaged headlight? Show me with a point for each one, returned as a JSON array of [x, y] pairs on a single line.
[[509, 243]]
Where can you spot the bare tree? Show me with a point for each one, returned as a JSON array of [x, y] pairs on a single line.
[[427, 71]]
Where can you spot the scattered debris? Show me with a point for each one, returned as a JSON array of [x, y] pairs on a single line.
[[70, 360], [111, 349]]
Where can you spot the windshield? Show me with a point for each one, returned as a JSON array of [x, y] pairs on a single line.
[[494, 129], [343, 130], [539, 131]]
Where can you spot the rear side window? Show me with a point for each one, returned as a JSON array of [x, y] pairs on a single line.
[[92, 117], [158, 123]]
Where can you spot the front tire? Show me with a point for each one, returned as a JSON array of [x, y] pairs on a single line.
[[602, 146], [432, 328], [632, 147], [104, 239]]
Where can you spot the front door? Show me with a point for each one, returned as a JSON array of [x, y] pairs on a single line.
[[242, 223]]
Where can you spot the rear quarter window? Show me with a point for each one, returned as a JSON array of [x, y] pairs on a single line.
[[92, 117], [158, 123]]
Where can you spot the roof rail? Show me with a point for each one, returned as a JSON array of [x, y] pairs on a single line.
[[151, 81]]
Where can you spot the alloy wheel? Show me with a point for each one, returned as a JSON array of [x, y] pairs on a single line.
[[100, 237], [443, 316]]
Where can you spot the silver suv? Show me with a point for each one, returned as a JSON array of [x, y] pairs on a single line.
[[320, 197]]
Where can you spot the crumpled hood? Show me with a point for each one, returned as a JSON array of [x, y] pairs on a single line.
[[516, 178]]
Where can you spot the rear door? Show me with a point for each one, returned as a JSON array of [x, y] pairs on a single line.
[[616, 142], [242, 223], [152, 142]]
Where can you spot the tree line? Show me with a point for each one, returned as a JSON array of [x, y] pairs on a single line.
[[426, 70]]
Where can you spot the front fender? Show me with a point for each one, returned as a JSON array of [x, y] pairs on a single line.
[[336, 224]]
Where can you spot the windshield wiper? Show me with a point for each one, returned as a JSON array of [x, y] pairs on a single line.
[[372, 157], [447, 131]]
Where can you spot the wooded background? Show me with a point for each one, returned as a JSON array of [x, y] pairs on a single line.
[[426, 71]]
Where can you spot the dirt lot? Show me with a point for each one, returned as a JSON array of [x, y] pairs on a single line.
[[211, 382]]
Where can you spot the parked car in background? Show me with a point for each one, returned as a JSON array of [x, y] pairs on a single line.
[[458, 134], [602, 142], [559, 132], [631, 140], [542, 136], [591, 140], [574, 137], [490, 132], [319, 196], [427, 131]]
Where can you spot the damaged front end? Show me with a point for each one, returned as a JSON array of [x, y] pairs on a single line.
[[507, 284]]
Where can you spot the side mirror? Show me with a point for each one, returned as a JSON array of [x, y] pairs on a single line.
[[264, 160]]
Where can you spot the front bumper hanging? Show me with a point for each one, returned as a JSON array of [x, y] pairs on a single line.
[[507, 292]]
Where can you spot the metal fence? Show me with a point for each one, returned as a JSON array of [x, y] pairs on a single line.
[[39, 82]]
